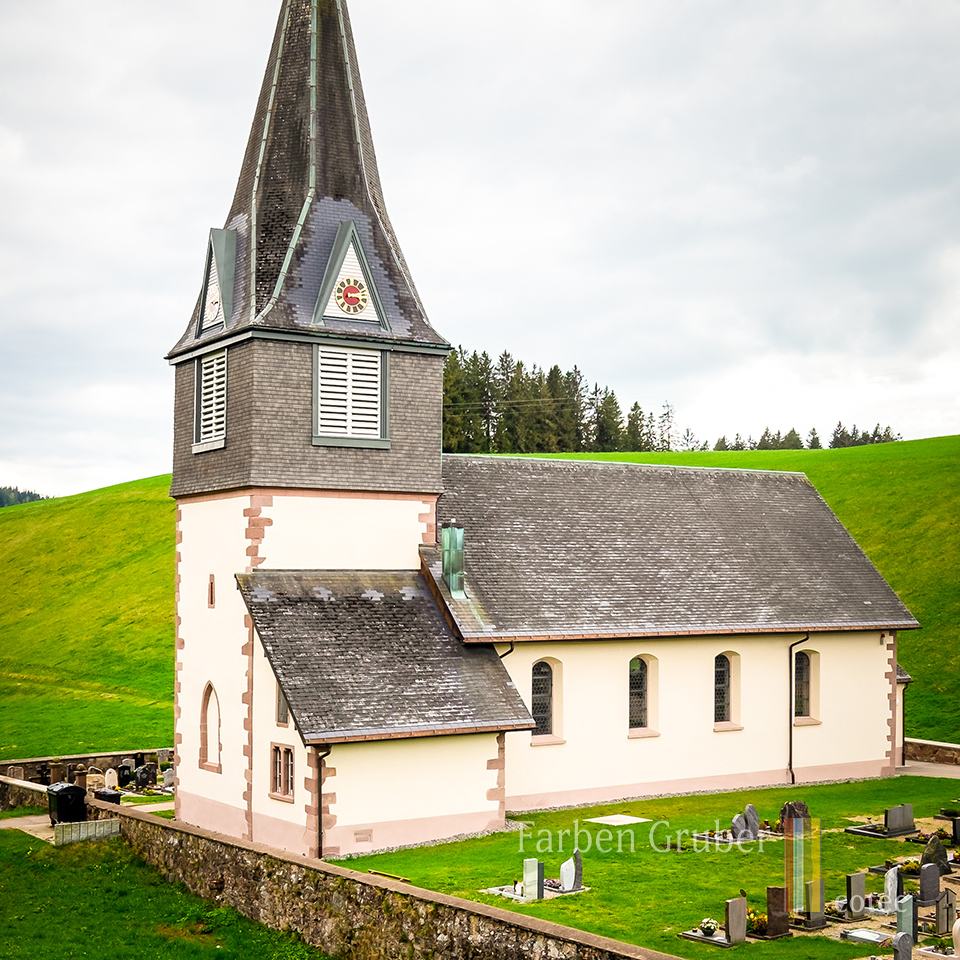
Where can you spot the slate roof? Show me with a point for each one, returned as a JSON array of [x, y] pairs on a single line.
[[574, 549], [365, 655], [315, 156]]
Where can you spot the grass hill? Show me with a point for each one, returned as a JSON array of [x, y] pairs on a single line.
[[87, 657]]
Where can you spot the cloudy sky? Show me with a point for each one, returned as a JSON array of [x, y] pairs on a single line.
[[749, 210]]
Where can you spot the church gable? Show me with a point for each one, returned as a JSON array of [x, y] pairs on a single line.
[[348, 291]]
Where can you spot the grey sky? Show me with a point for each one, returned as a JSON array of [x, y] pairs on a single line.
[[749, 210]]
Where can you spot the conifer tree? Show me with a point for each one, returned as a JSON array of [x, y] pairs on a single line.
[[813, 440]]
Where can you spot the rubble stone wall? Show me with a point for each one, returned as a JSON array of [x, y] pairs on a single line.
[[931, 751], [347, 914], [14, 793]]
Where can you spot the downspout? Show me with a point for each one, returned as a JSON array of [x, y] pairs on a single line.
[[321, 756], [796, 643], [506, 653]]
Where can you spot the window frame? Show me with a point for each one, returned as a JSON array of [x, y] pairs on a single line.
[[555, 733], [282, 770], [732, 719], [651, 701], [351, 439], [812, 716], [209, 698]]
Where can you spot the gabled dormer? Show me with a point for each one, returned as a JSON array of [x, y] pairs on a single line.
[[308, 360]]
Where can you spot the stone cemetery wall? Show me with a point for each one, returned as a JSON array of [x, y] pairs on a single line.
[[931, 751], [15, 794], [63, 765], [347, 914]]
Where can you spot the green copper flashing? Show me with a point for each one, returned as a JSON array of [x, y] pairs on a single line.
[[347, 236]]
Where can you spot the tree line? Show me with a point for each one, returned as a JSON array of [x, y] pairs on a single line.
[[11, 495], [509, 407]]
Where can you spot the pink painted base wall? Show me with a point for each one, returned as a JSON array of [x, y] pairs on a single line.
[[367, 837]]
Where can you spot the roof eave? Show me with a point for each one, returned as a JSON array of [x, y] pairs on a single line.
[[362, 736]]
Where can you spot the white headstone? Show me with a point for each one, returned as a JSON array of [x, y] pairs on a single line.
[[890, 890], [531, 871], [568, 872], [956, 937], [110, 779]]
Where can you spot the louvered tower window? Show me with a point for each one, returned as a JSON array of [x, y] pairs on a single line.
[[212, 397], [542, 698], [638, 692], [801, 676], [721, 689], [349, 393]]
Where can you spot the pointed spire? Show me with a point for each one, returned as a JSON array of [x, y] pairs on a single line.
[[309, 170]]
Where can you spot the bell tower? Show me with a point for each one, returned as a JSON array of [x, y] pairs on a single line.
[[307, 413]]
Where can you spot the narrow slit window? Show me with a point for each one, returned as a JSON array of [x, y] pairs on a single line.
[[801, 676]]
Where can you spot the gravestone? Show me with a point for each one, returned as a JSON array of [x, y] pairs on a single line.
[[856, 895], [892, 889], [753, 820], [43, 773], [907, 916], [129, 762], [955, 933], [15, 773], [142, 778], [929, 884], [163, 756], [738, 827], [735, 920], [577, 869], [778, 916], [124, 775], [899, 819], [139, 760], [794, 810], [169, 778], [935, 852], [568, 872], [946, 912], [813, 905], [110, 779], [956, 832], [95, 770], [151, 769], [903, 946], [532, 879]]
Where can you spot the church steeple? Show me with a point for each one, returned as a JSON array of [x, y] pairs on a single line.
[[308, 361], [310, 168]]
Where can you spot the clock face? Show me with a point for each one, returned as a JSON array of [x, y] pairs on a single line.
[[351, 295], [212, 307]]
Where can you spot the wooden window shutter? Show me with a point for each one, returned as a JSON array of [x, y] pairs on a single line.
[[212, 398], [349, 393]]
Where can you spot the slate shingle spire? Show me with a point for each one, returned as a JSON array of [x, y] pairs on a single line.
[[309, 167]]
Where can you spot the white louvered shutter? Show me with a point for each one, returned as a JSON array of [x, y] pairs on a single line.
[[349, 393], [212, 421]]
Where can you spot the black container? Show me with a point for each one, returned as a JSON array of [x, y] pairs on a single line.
[[106, 795], [67, 803]]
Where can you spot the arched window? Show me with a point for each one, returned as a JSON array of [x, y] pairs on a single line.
[[210, 730], [638, 692], [721, 689], [801, 685], [542, 698]]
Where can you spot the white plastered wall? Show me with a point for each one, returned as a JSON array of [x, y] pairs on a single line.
[[595, 758], [228, 534], [395, 792]]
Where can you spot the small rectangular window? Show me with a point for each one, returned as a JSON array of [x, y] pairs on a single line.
[[283, 711], [211, 405], [281, 774]]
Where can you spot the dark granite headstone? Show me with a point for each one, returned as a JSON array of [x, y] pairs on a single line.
[[956, 832], [794, 810], [856, 895], [813, 905], [903, 946], [929, 884], [577, 870], [124, 775], [753, 820], [738, 827], [142, 775], [935, 852], [778, 916]]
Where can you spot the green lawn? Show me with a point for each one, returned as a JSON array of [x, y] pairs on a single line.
[[644, 895], [87, 658], [87, 662], [97, 899]]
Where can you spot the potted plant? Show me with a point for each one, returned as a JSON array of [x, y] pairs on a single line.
[[709, 927]]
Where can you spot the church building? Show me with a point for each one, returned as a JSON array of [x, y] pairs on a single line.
[[378, 645]]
